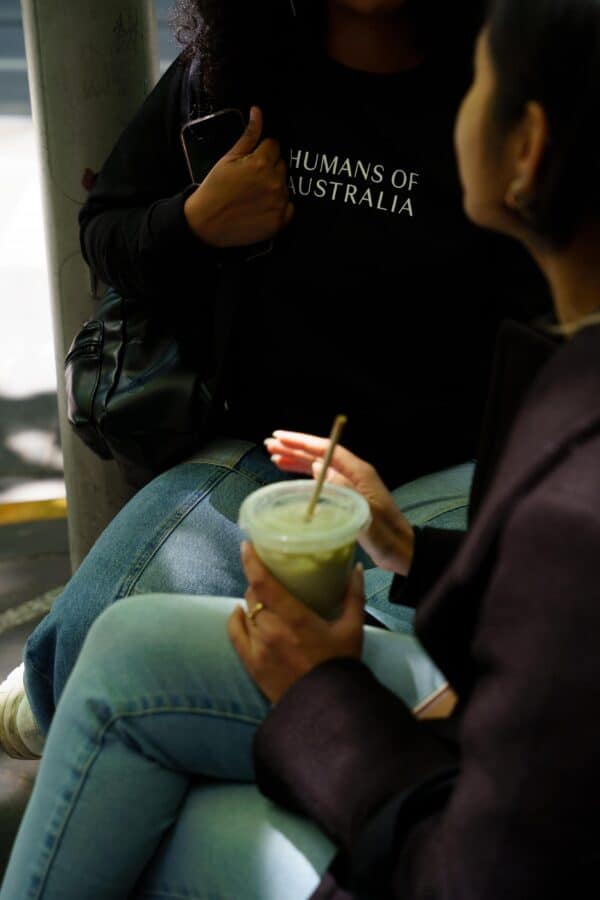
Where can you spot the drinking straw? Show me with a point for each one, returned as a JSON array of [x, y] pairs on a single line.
[[334, 437]]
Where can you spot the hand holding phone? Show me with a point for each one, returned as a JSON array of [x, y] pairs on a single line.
[[208, 139], [242, 198]]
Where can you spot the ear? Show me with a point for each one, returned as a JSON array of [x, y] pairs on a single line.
[[529, 146]]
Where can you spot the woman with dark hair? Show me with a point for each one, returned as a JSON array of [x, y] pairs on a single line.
[[501, 801], [359, 194], [347, 166]]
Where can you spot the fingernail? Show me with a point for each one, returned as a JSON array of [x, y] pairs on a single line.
[[358, 576]]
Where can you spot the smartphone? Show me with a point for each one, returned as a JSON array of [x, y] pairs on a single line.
[[207, 140]]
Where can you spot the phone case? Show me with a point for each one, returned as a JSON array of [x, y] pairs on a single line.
[[207, 140]]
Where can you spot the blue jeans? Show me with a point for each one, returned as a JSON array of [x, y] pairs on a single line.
[[145, 788], [180, 535]]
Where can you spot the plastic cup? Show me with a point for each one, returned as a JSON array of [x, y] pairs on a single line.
[[313, 560]]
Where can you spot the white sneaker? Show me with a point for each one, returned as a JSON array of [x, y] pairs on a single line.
[[20, 736]]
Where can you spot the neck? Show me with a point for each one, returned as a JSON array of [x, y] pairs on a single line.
[[574, 277], [385, 44]]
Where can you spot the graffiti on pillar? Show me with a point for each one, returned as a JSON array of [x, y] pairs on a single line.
[[104, 74], [99, 73], [127, 31]]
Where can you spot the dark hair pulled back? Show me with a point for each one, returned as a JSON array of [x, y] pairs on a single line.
[[549, 51]]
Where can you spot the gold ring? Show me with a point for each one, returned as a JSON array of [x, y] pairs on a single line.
[[252, 614]]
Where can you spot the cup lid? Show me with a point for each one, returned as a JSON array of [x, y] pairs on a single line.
[[262, 516]]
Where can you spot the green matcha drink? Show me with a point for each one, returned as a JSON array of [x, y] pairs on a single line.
[[312, 559]]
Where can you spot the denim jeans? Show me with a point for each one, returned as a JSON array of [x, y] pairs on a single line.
[[145, 787], [180, 535]]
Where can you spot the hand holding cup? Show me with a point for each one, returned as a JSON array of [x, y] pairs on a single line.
[[286, 639]]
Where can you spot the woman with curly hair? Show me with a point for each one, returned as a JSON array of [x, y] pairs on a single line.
[[286, 763], [346, 165]]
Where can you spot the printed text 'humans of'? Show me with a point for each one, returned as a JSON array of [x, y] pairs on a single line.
[[344, 180]]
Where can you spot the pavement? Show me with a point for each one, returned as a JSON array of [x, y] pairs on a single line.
[[30, 457], [34, 556]]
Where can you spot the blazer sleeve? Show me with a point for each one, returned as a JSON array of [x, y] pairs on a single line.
[[434, 550], [134, 234], [521, 818]]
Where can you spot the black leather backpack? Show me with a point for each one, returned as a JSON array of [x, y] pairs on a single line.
[[135, 393]]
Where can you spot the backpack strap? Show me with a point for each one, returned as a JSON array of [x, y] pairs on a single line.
[[194, 101]]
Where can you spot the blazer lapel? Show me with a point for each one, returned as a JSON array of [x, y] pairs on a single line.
[[564, 404], [563, 407]]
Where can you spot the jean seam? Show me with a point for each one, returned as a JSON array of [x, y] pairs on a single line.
[[30, 665], [151, 549], [234, 470], [253, 479], [141, 564], [169, 895], [215, 465], [210, 712], [217, 460], [451, 506], [84, 770], [382, 592]]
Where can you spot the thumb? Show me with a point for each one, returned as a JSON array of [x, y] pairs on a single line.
[[354, 601], [251, 136]]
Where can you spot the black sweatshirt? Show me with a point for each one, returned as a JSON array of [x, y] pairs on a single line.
[[379, 289]]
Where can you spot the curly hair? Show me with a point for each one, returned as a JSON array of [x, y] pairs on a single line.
[[244, 45]]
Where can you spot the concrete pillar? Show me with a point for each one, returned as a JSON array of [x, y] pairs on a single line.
[[91, 63]]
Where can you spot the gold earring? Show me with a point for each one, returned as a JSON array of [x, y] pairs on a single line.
[[518, 199], [516, 196]]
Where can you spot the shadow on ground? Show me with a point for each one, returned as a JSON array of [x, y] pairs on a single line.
[[34, 559], [29, 439]]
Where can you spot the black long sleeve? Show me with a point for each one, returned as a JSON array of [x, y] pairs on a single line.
[[378, 220], [435, 548], [134, 234]]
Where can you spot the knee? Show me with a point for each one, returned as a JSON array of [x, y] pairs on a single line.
[[149, 643], [127, 642], [149, 628], [134, 622]]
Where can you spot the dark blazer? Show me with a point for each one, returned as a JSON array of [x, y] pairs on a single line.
[[512, 811]]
